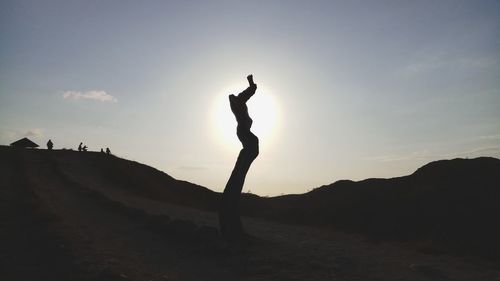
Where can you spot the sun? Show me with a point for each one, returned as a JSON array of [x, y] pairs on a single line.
[[263, 110]]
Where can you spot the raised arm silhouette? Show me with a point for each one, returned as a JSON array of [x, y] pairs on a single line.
[[229, 212]]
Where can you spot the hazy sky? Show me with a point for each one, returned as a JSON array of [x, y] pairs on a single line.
[[351, 89]]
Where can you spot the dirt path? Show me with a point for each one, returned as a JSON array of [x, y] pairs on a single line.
[[103, 240]]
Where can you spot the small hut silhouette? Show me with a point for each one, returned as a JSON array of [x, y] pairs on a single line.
[[24, 143]]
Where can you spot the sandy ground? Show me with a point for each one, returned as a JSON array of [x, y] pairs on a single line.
[[58, 224]]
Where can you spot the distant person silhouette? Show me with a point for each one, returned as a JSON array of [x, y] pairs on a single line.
[[80, 147], [108, 152], [84, 148], [229, 213], [50, 145], [102, 150]]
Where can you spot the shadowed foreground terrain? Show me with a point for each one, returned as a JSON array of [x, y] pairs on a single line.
[[66, 215]]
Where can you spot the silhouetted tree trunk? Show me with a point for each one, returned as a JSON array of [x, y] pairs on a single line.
[[229, 213]]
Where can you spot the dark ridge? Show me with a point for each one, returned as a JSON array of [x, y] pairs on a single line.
[[448, 205], [31, 248], [139, 179], [481, 166], [445, 206], [181, 231]]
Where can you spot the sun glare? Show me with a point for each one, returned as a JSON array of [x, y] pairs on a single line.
[[262, 108]]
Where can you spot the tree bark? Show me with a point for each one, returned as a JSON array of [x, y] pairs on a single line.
[[229, 213]]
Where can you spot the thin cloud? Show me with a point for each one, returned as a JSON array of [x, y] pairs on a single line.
[[490, 137], [487, 149], [416, 155], [434, 61], [493, 150], [8, 134], [424, 65], [96, 95], [192, 168], [35, 132]]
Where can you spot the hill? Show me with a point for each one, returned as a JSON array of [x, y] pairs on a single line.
[[68, 215], [450, 204]]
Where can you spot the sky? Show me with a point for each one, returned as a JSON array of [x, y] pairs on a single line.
[[346, 89]]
